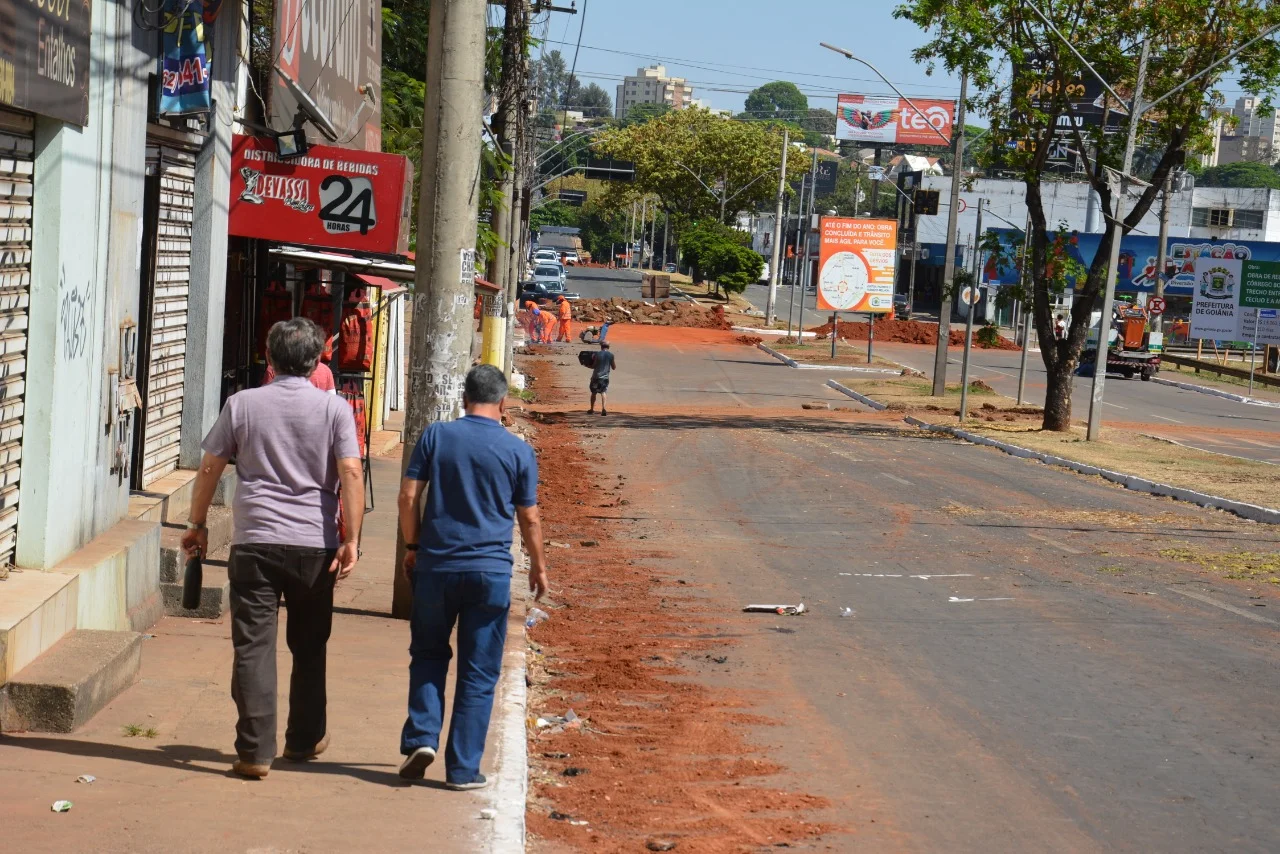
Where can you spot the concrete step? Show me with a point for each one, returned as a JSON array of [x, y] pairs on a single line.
[[215, 590], [168, 499], [71, 682], [36, 610], [172, 560]]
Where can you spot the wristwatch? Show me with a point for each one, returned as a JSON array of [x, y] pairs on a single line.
[[413, 547], [195, 526]]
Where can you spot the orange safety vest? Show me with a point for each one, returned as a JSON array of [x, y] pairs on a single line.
[[566, 311]]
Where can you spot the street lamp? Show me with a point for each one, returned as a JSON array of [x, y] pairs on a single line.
[[949, 264], [1120, 181], [724, 200]]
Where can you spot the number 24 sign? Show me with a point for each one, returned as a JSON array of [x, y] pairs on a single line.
[[335, 198]]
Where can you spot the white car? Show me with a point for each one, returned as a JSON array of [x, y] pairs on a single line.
[[543, 255], [571, 258]]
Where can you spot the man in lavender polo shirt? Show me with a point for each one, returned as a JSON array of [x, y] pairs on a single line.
[[293, 446]]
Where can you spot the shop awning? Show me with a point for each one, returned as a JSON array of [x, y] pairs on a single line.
[[388, 275]]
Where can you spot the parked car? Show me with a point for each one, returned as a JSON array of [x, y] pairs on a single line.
[[901, 311], [571, 258], [546, 273], [670, 268], [541, 255]]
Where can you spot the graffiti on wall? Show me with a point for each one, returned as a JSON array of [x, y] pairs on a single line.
[[73, 318]]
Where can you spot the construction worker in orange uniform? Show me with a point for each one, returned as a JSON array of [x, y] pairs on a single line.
[[566, 319]]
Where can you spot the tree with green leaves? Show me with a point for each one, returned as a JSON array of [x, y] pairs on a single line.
[[700, 166], [1027, 82], [720, 254], [1244, 174], [780, 99], [594, 102], [550, 75], [641, 113]]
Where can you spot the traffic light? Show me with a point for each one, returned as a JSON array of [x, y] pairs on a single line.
[[926, 202]]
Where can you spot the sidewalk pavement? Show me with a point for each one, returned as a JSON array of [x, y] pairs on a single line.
[[175, 792]]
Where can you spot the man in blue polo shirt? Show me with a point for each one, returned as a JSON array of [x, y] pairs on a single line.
[[479, 480]]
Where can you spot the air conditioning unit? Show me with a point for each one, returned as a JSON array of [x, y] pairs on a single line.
[[1222, 217]]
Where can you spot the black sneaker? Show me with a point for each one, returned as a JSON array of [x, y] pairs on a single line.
[[603, 412], [478, 783], [415, 764]]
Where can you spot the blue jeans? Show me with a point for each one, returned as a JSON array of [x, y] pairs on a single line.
[[478, 602]]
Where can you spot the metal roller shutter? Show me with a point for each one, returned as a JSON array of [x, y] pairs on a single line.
[[16, 190], [163, 427]]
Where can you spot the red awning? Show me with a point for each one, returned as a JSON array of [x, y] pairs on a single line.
[[486, 285]]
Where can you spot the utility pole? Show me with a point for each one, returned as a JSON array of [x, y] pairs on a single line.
[[875, 185], [444, 286], [631, 234], [516, 34], [775, 266], [1028, 306], [1120, 188], [1162, 258], [666, 238], [949, 265], [796, 272], [506, 127], [973, 309]]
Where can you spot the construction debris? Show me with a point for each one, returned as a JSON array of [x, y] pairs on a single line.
[[665, 313]]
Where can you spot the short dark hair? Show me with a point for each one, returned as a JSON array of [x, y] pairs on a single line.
[[485, 384], [295, 346], [604, 345]]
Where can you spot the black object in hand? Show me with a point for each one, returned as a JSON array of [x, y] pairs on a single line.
[[192, 581]]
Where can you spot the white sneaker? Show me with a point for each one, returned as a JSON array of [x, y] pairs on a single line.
[[415, 764]]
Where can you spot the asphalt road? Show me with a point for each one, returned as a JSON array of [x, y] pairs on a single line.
[[1022, 671], [1191, 418]]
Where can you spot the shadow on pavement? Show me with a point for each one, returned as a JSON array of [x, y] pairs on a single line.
[[179, 757]]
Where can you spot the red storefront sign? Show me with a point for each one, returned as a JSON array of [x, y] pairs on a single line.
[[333, 197]]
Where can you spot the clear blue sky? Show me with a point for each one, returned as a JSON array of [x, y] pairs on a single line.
[[725, 48]]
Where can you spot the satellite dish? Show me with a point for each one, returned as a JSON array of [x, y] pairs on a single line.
[[309, 108]]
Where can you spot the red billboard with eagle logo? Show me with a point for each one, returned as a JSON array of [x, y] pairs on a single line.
[[889, 121]]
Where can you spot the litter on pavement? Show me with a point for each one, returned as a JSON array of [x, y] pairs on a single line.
[[488, 813], [86, 778], [536, 615], [61, 806], [788, 610], [846, 612]]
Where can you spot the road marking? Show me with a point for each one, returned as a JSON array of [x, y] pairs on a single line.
[[1267, 445], [729, 392], [1049, 541], [994, 599], [951, 575], [1162, 418], [1116, 405], [895, 477], [677, 349], [974, 367], [1209, 600]]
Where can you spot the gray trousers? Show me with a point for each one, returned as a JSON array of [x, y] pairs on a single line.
[[260, 575]]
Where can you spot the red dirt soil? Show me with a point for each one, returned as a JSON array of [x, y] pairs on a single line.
[[661, 757], [907, 332]]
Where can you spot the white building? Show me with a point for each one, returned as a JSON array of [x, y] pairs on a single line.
[[652, 86], [1255, 136]]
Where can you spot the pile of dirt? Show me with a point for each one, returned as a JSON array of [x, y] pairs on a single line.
[[749, 340], [665, 313], [908, 332]]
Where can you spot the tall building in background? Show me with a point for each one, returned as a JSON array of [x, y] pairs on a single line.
[[1256, 135], [652, 86]]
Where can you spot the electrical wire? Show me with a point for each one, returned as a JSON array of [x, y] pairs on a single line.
[[582, 24]]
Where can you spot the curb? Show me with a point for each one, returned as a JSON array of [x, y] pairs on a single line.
[[792, 363], [861, 398], [511, 763], [1204, 389], [1128, 481], [779, 332]]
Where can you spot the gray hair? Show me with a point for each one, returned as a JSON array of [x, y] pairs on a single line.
[[295, 346], [485, 384]]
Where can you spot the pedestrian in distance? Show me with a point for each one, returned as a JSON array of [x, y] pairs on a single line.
[[295, 449], [1060, 327], [601, 367], [565, 311], [479, 480]]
